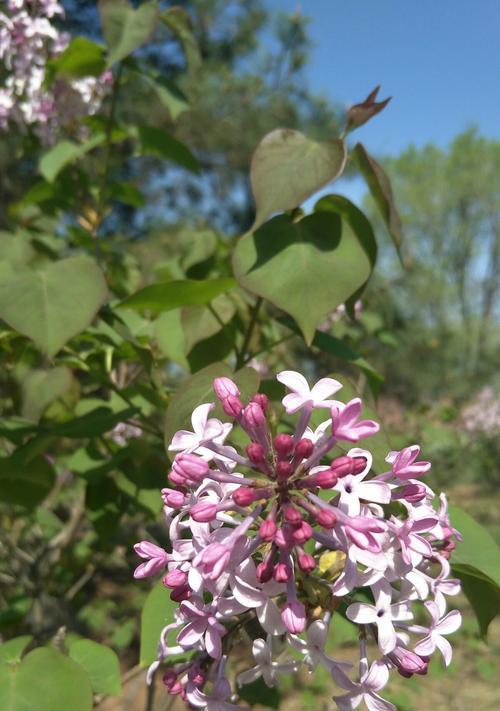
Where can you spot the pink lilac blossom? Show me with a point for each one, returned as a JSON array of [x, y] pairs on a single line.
[[28, 40], [248, 530]]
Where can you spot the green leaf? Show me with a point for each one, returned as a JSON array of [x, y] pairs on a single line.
[[157, 612], [173, 294], [478, 548], [45, 680], [25, 482], [41, 387], [65, 152], [484, 597], [94, 423], [287, 168], [167, 92], [12, 650], [160, 144], [81, 58], [178, 21], [380, 188], [15, 248], [198, 389], [307, 268], [258, 693], [124, 28], [199, 323], [101, 664], [329, 344], [169, 336], [52, 305]]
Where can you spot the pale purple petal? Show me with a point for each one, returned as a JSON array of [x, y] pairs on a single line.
[[361, 613], [387, 639], [444, 647], [450, 623]]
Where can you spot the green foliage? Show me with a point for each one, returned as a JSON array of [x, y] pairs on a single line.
[[158, 298], [45, 680], [284, 261], [55, 303], [287, 168], [81, 58], [125, 28], [157, 612], [101, 664]]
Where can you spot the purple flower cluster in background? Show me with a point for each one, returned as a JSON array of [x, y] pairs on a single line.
[[28, 40], [483, 413], [249, 533]]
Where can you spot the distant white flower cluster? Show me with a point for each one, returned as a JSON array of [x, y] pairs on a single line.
[[28, 40], [483, 413]]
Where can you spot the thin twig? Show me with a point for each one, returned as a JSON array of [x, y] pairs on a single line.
[[240, 360]]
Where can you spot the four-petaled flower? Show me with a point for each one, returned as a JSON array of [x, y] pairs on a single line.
[[265, 667], [302, 396], [439, 626], [345, 425]]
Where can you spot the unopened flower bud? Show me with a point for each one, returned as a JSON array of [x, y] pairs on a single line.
[[342, 466], [304, 449], [414, 493], [267, 530], [255, 453], [294, 617], [306, 562], [183, 592], [302, 533], [176, 479], [253, 416], [203, 511], [325, 479], [175, 578], [172, 498], [261, 400], [264, 571], [326, 518], [196, 675], [409, 663], [282, 573], [244, 496], [291, 514], [283, 444], [284, 470], [225, 387], [190, 466], [232, 406]]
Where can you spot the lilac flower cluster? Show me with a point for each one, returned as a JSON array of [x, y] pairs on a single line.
[[28, 40], [250, 534], [483, 413]]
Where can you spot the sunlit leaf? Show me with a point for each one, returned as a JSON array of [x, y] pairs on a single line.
[[100, 663], [160, 144], [41, 387], [305, 268], [125, 28], [287, 168], [157, 612], [173, 294], [55, 303]]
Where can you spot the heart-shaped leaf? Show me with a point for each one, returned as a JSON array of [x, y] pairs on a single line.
[[52, 305], [124, 28], [45, 680], [41, 387], [287, 167], [307, 268], [100, 663]]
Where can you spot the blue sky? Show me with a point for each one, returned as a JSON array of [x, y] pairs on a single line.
[[439, 59]]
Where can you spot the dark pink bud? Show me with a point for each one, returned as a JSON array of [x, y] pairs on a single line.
[[291, 514], [183, 592], [283, 470], [414, 493], [304, 449], [253, 416], [172, 683], [267, 530], [261, 400], [306, 562], [255, 453], [196, 675], [225, 387], [174, 499], [342, 466], [325, 479], [191, 467], [409, 663], [244, 496], [232, 406], [302, 533], [283, 444], [282, 573], [176, 479], [203, 511], [326, 518], [264, 571], [174, 579]]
